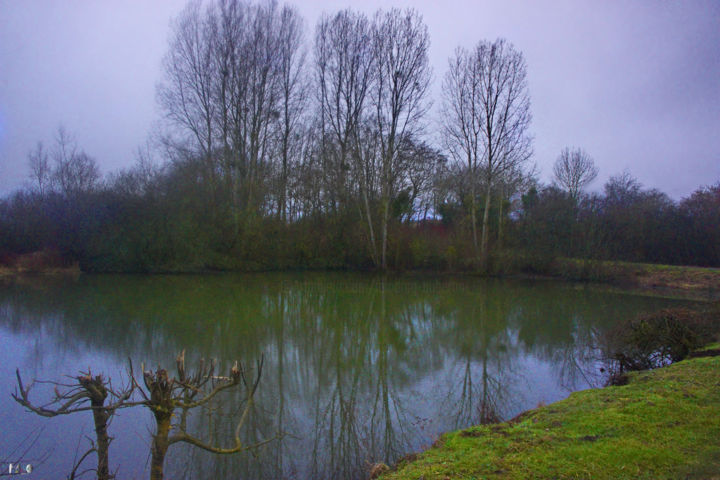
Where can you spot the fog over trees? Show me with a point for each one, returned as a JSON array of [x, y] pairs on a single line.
[[284, 146]]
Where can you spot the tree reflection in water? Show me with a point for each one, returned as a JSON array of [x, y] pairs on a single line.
[[358, 369]]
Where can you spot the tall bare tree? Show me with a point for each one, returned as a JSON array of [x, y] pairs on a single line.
[[343, 68], [293, 89], [486, 114], [574, 169], [186, 92], [462, 121], [255, 107], [232, 95], [402, 76], [231, 24]]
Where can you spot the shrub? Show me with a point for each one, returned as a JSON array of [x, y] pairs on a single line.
[[40, 261], [658, 339]]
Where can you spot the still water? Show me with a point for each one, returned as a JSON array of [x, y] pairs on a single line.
[[358, 369]]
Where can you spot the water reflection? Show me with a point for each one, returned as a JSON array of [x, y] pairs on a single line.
[[358, 370]]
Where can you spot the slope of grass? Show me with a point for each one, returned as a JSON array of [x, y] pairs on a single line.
[[665, 424], [700, 280]]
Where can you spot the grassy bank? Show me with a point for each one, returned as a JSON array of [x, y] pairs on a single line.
[[663, 425], [692, 282], [702, 283]]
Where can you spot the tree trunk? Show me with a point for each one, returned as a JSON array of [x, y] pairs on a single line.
[[484, 240], [501, 200], [100, 417], [97, 392], [373, 245], [473, 208], [473, 221], [386, 212], [160, 443]]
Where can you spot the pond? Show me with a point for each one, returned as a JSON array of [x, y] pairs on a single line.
[[357, 369]]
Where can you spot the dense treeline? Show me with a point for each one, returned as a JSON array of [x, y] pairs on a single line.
[[625, 222], [278, 150]]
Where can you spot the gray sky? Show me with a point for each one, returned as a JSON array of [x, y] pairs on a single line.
[[634, 83]]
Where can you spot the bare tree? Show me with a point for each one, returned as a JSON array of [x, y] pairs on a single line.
[[574, 169], [307, 181], [372, 81], [164, 394], [186, 92], [293, 89], [343, 66], [255, 108], [75, 171], [86, 393], [229, 33], [366, 172], [423, 163], [231, 94], [462, 121], [40, 171], [402, 76], [486, 113], [79, 174], [141, 179]]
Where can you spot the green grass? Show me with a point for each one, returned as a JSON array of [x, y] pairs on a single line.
[[691, 282], [665, 424]]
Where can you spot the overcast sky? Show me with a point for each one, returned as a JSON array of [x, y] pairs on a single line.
[[634, 83]]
